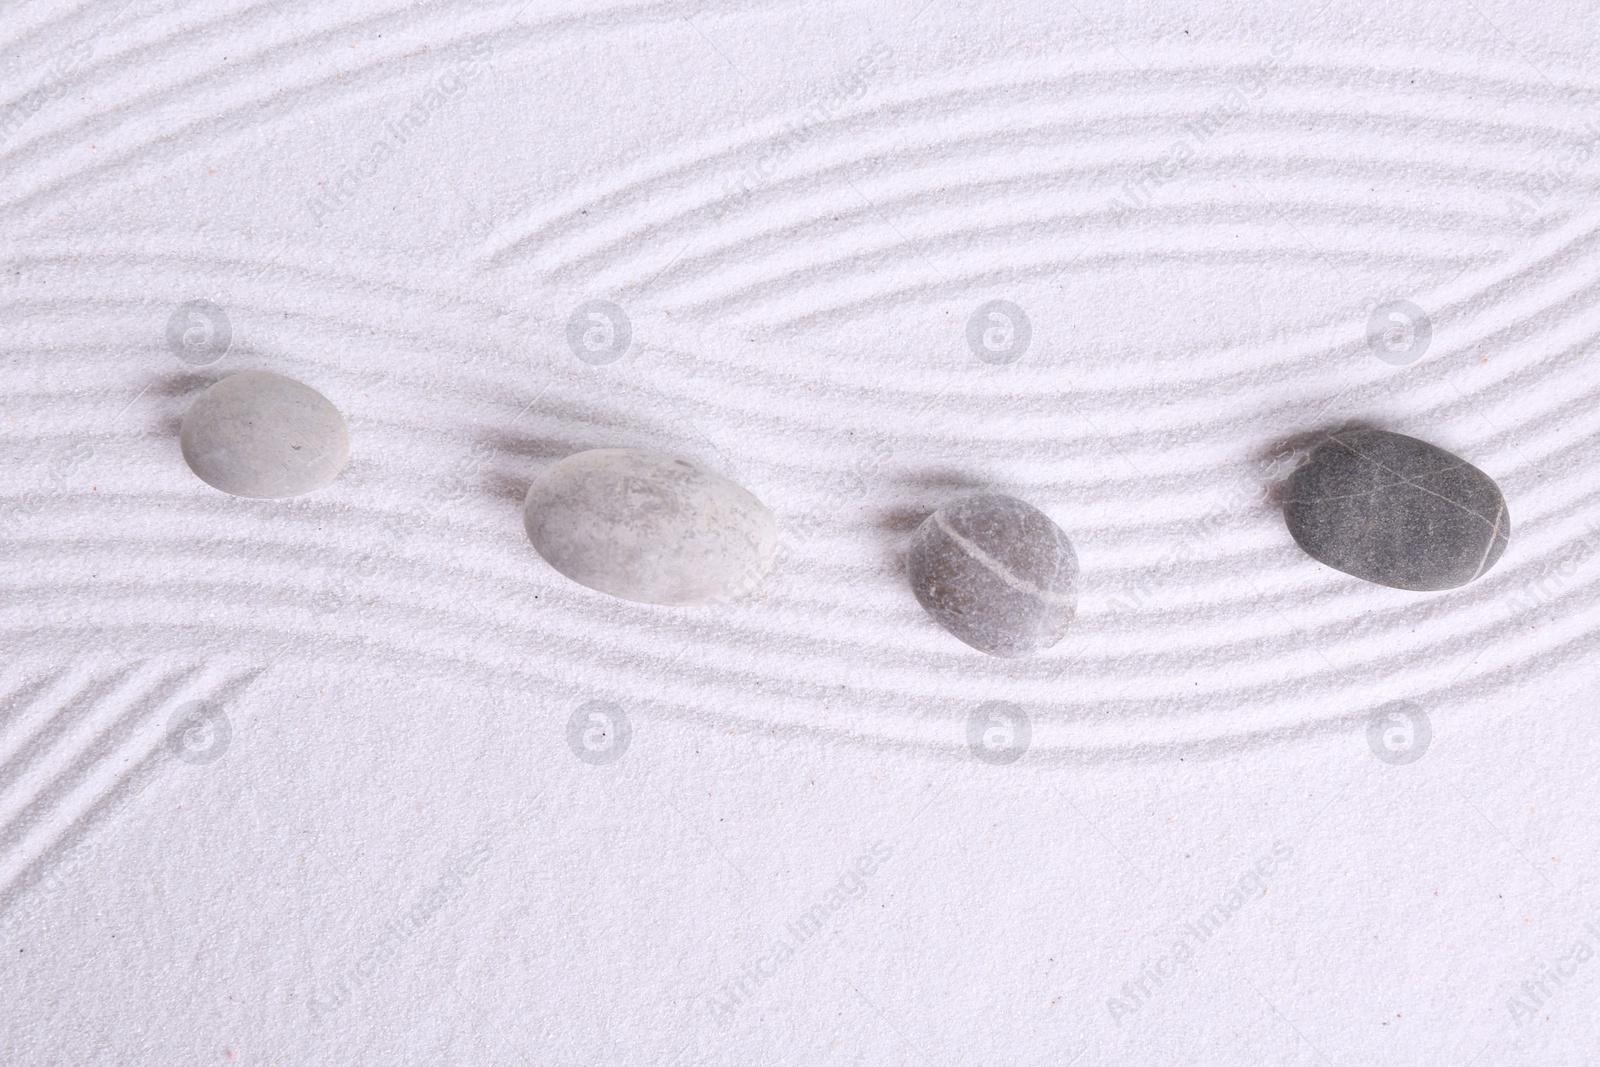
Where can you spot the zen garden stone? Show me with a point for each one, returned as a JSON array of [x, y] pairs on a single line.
[[262, 435], [995, 572], [1396, 511], [650, 528]]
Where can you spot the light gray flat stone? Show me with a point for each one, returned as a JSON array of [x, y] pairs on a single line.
[[995, 572], [1396, 511], [265, 436], [650, 528]]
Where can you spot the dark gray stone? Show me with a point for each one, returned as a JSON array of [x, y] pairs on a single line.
[[996, 572], [1396, 511]]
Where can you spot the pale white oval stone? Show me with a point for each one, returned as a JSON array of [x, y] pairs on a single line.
[[650, 528], [262, 435]]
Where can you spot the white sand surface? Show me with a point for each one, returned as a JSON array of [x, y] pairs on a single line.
[[385, 850]]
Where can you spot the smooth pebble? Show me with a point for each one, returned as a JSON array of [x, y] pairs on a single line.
[[650, 528], [262, 435], [1396, 511], [995, 572]]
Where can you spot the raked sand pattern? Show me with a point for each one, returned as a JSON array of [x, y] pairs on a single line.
[[805, 226]]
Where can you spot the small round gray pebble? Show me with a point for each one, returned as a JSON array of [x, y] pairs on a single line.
[[262, 435], [1396, 511], [649, 528], [995, 572]]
